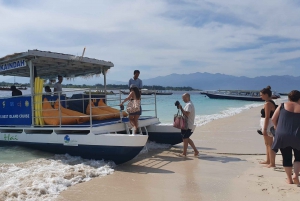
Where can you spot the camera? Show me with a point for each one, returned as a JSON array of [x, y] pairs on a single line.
[[177, 104]]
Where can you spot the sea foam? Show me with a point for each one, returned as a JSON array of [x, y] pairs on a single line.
[[44, 179], [204, 119]]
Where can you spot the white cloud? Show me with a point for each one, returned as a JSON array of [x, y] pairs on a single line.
[[159, 34]]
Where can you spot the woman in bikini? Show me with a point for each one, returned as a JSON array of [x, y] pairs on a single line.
[[266, 123]]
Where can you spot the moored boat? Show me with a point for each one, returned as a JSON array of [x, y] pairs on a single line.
[[143, 92], [233, 95], [25, 120], [247, 95], [163, 93]]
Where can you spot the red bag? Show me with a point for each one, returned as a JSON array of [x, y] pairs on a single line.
[[180, 121]]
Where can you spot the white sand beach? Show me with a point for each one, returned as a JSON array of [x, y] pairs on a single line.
[[226, 169]]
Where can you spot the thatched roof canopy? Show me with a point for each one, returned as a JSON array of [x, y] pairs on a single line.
[[50, 64]]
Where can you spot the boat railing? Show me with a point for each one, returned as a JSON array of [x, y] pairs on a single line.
[[89, 99]]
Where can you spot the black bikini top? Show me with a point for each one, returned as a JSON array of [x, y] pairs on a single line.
[[263, 114]]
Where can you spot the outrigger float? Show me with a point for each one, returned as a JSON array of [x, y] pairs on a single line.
[[59, 124]]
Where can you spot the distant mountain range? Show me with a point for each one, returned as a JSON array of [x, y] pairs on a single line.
[[208, 81]]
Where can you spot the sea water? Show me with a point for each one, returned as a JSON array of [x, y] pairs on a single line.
[[27, 174]]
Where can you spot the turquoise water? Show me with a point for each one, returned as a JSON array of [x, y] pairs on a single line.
[[206, 108]]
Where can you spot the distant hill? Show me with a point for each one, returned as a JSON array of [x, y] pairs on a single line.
[[207, 81]]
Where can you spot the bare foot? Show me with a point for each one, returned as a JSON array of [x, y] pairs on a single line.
[[196, 153], [295, 180], [264, 162], [288, 181], [270, 165], [181, 155]]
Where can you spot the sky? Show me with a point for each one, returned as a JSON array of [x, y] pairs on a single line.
[[160, 37]]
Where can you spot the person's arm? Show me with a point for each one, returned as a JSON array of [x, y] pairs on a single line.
[[141, 84], [275, 117], [130, 96], [267, 117], [129, 83], [185, 113], [55, 88]]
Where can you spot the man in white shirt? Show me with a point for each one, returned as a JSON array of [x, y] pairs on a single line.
[[57, 86], [189, 112]]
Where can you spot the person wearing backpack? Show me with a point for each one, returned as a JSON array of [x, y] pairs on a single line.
[[266, 124]]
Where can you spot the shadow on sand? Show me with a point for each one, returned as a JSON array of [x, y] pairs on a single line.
[[220, 158]]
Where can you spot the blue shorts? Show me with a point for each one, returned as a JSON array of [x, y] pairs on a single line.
[[186, 133]]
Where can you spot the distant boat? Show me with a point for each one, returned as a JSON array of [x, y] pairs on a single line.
[[163, 93], [8, 88], [284, 94], [247, 95], [143, 92], [100, 92]]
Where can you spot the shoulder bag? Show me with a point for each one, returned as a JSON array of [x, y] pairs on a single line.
[[133, 106], [180, 121]]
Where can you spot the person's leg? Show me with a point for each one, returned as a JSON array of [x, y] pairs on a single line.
[[267, 161], [287, 157], [271, 153], [196, 152], [296, 166], [136, 121], [185, 140], [185, 146], [131, 120]]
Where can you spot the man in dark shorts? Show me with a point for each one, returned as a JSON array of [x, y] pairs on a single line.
[[189, 112]]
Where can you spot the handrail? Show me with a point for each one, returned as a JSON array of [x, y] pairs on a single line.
[[148, 102]]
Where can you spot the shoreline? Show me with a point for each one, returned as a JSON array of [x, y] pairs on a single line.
[[227, 169]]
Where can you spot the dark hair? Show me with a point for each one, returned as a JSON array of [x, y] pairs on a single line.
[[13, 87], [266, 90], [59, 76], [137, 92], [47, 89], [136, 71], [294, 95]]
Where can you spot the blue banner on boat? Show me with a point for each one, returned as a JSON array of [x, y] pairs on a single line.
[[15, 111], [13, 65]]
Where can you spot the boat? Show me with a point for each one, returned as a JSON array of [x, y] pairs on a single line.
[[100, 92], [25, 119], [8, 88], [247, 95], [143, 92], [284, 94], [163, 93]]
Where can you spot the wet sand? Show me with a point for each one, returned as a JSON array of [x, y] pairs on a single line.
[[226, 169]]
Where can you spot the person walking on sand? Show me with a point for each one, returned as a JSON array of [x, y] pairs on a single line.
[[189, 112], [286, 121], [266, 123]]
